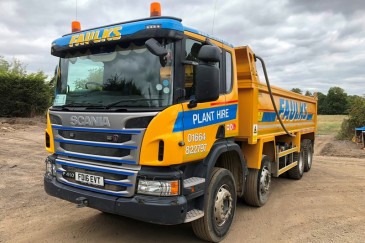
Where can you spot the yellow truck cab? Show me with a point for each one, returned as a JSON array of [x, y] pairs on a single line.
[[159, 122]]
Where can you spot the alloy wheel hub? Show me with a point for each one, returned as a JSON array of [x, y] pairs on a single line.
[[222, 205], [265, 180]]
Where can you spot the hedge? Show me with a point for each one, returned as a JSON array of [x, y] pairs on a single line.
[[23, 95]]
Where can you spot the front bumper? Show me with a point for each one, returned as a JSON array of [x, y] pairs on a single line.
[[159, 210]]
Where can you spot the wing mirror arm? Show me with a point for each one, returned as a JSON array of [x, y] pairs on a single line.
[[188, 62], [157, 49]]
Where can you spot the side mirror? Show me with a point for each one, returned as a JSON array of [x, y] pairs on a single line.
[[206, 75], [209, 53], [207, 83], [155, 47]]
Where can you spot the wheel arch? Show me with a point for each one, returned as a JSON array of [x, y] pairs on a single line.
[[228, 155]]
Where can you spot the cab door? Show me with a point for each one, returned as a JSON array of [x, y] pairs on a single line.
[[202, 123]]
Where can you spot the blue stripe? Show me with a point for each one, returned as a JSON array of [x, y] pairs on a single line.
[[94, 189], [96, 158], [86, 129], [271, 117], [97, 144], [187, 120], [96, 168], [117, 183]]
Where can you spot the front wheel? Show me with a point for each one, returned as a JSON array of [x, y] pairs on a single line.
[[219, 207]]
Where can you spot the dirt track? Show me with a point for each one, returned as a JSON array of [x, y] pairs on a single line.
[[327, 205]]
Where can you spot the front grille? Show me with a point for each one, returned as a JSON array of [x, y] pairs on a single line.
[[95, 136], [55, 119], [115, 152], [104, 146], [139, 122], [111, 153]]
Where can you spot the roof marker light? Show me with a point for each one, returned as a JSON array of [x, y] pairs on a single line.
[[75, 26], [155, 9]]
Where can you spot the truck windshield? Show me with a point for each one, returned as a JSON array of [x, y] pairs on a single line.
[[127, 76]]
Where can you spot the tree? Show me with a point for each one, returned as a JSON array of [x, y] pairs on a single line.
[[322, 104], [15, 67], [351, 100], [95, 76], [336, 101], [308, 93], [356, 118], [297, 90], [4, 65], [117, 83]]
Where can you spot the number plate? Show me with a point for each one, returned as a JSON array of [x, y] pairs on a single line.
[[89, 179]]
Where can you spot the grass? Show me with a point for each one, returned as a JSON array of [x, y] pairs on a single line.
[[330, 124]]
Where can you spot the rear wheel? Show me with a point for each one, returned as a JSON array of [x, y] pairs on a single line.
[[308, 154], [258, 184], [297, 171], [219, 207]]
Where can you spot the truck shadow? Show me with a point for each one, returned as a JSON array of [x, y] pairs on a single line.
[[113, 228]]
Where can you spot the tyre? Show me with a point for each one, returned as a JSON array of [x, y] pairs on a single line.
[[258, 184], [308, 154], [219, 207], [297, 171]]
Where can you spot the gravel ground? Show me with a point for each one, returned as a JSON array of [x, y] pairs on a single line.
[[327, 205]]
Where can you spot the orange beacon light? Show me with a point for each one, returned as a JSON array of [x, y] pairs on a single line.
[[155, 9], [75, 26]]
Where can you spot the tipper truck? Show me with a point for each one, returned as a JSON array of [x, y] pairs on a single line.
[[162, 123]]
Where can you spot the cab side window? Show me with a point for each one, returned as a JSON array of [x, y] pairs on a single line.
[[192, 48], [229, 70]]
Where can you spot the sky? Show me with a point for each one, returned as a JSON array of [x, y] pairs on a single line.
[[308, 44]]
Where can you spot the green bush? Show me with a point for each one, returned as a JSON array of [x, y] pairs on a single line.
[[23, 95], [356, 119]]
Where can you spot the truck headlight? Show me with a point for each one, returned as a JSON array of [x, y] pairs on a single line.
[[158, 188], [50, 167]]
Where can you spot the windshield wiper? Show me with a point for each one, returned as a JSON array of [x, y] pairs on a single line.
[[75, 104], [80, 105], [128, 100]]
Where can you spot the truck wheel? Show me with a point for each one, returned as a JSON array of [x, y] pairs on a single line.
[[258, 184], [297, 171], [308, 154], [219, 207]]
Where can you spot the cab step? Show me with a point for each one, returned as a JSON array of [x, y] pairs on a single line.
[[193, 181], [193, 215]]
